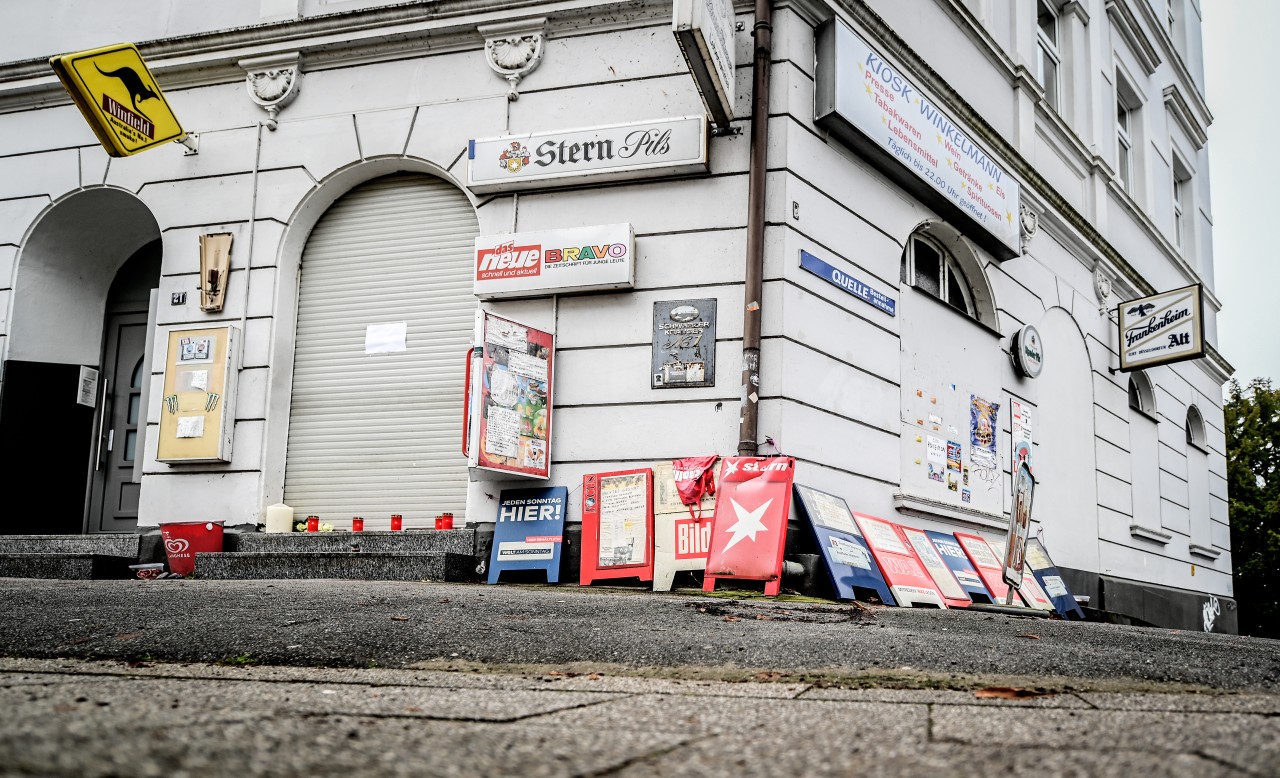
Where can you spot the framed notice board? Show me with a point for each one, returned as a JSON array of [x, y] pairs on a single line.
[[617, 525], [197, 407]]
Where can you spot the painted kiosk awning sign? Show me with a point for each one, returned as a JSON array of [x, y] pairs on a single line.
[[581, 259], [661, 147], [870, 104], [119, 98], [1163, 328]]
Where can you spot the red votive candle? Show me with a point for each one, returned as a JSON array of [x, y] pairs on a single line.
[[397, 522], [313, 524], [357, 524]]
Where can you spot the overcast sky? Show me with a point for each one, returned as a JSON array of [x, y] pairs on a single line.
[[1242, 60]]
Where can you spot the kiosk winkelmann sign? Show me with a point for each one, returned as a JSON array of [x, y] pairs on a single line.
[[870, 104], [529, 531], [749, 528], [849, 561], [119, 98]]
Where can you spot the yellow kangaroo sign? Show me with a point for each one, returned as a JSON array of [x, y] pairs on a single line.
[[118, 97]]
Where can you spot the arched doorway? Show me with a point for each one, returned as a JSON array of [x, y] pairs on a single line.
[[1066, 497], [92, 247], [385, 315]]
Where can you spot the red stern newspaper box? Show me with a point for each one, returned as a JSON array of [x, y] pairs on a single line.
[[749, 529]]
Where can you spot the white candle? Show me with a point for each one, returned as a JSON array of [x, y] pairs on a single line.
[[279, 518]]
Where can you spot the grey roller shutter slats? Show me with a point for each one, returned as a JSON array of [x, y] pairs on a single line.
[[376, 434]]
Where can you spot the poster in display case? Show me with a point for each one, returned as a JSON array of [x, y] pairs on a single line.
[[197, 409], [507, 431]]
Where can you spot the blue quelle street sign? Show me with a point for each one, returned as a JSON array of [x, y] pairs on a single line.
[[849, 561], [956, 559], [529, 532], [848, 283]]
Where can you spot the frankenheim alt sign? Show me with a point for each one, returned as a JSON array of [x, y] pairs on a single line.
[[1163, 328], [869, 104]]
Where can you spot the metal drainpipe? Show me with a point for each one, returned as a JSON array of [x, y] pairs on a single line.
[[750, 418]]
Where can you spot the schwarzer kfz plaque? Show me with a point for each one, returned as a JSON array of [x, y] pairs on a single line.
[[684, 344]]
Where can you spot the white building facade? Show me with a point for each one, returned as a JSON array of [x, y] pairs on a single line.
[[335, 144]]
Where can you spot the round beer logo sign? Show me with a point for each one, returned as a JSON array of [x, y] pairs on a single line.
[[1028, 352]]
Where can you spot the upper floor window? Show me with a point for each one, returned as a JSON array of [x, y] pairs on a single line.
[[929, 267], [1124, 145], [1048, 58], [1181, 204]]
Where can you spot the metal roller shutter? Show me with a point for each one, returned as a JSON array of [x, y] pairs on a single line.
[[376, 434]]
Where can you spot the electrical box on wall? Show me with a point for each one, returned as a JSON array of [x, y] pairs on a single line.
[[197, 408]]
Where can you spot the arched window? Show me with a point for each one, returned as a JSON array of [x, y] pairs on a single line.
[[1195, 428], [940, 263], [1141, 398], [1144, 450]]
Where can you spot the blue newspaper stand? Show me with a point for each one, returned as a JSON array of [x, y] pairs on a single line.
[[529, 532], [1047, 575], [955, 557], [849, 561]]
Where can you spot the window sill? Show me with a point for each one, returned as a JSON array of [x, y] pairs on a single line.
[[939, 301], [1204, 552], [1153, 535], [927, 508]]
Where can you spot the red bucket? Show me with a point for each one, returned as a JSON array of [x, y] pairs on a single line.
[[182, 539]]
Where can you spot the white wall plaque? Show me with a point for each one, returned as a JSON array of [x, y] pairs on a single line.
[[661, 147]]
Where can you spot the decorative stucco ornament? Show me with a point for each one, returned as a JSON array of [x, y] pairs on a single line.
[[1102, 288], [272, 82], [1030, 224], [513, 49]]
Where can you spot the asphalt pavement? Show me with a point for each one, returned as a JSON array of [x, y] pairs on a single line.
[[191, 677]]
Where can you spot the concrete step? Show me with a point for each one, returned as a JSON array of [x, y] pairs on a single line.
[[376, 566], [82, 567], [452, 541], [112, 544]]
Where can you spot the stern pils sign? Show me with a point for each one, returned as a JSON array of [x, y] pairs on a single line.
[[1163, 328], [582, 259], [661, 147]]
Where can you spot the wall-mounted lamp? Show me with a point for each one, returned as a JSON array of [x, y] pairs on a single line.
[[215, 265]]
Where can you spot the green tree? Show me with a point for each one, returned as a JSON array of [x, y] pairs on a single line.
[[1253, 487]]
